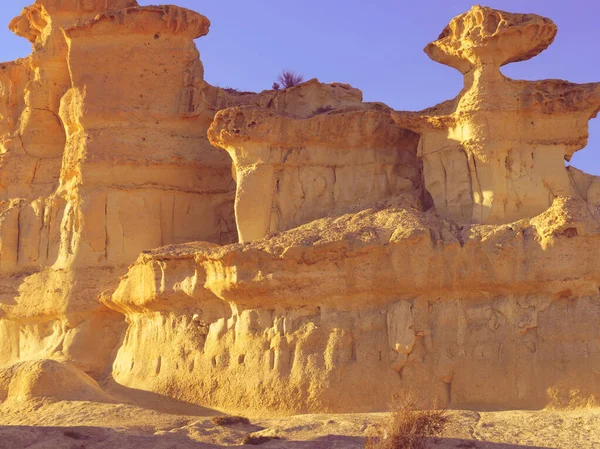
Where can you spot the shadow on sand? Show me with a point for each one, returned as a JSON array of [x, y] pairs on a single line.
[[156, 402], [22, 437], [452, 443]]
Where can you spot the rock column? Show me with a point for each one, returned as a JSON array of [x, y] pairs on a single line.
[[495, 154]]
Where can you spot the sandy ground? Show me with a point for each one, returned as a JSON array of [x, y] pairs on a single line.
[[163, 424]]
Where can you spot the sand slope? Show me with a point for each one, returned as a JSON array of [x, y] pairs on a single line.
[[94, 425]]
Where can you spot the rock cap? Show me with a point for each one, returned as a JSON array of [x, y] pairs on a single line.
[[484, 35], [33, 19], [167, 19]]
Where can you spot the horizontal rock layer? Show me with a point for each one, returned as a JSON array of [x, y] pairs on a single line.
[[341, 314]]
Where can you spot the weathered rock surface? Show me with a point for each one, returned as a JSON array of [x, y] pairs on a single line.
[[496, 152], [370, 303], [307, 167], [104, 154], [448, 251]]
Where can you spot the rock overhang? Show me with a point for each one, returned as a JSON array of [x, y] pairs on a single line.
[[145, 20]]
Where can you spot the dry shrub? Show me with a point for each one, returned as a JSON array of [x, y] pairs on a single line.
[[229, 420], [74, 435], [289, 78], [410, 425], [569, 399], [236, 91], [323, 110], [256, 440]]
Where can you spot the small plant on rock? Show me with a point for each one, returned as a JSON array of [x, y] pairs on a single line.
[[410, 426], [288, 78], [74, 435], [229, 420], [323, 110], [256, 440]]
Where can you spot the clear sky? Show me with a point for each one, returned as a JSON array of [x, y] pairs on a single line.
[[374, 45]]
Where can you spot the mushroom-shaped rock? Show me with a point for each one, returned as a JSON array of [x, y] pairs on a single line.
[[149, 20], [495, 154], [487, 36], [95, 6], [33, 20]]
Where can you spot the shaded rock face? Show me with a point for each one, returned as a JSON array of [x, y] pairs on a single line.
[[447, 251]]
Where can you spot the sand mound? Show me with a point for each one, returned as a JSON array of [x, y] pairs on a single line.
[[48, 380]]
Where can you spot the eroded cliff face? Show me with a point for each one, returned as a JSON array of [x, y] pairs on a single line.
[[447, 251], [342, 313]]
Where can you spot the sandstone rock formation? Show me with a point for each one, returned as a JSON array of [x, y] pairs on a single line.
[[448, 251], [104, 154], [495, 153], [340, 313], [316, 163]]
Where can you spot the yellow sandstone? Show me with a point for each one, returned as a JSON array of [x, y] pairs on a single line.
[[496, 152], [292, 251]]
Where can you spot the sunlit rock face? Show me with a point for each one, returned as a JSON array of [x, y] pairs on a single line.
[[495, 153], [103, 154], [315, 163], [296, 250], [49, 301], [372, 303]]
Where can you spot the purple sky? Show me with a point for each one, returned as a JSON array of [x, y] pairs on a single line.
[[376, 46]]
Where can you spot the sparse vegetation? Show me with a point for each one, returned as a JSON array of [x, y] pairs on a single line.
[[323, 110], [569, 399], [276, 86], [73, 435], [235, 91], [468, 445], [255, 440], [410, 425], [229, 420], [287, 79]]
